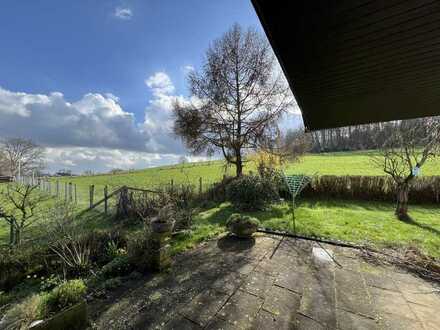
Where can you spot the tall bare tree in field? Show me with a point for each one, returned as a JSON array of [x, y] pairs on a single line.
[[22, 155], [238, 97], [408, 147]]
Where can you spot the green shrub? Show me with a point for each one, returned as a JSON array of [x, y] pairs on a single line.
[[50, 282], [113, 250], [242, 225], [15, 264], [5, 298], [118, 266], [251, 192], [63, 296], [23, 314]]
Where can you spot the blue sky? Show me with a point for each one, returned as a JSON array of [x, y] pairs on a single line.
[[96, 78]]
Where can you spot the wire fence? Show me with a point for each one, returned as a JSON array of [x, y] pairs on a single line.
[[87, 196]]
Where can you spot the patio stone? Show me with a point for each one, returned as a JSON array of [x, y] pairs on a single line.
[[391, 302], [180, 323], [348, 321], [258, 284], [380, 281], [241, 309], [282, 303], [351, 293], [428, 315], [229, 283], [204, 307], [318, 299], [399, 322], [292, 280], [266, 320]]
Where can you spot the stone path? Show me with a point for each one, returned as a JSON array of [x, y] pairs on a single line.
[[268, 284]]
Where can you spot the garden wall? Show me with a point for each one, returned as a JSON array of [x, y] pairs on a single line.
[[378, 188]]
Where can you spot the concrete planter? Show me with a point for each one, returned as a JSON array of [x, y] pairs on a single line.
[[242, 226], [161, 227], [73, 318]]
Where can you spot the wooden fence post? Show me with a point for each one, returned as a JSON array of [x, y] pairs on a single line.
[[105, 199], [200, 185], [58, 188], [172, 185], [122, 210], [76, 197], [92, 192], [65, 191], [70, 192]]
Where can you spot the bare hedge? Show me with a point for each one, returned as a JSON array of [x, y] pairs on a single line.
[[377, 188]]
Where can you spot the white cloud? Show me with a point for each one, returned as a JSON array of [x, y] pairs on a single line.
[[123, 13], [187, 68], [158, 114], [160, 84], [94, 120], [16, 103], [79, 159]]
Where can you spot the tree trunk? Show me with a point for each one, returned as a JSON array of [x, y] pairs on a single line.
[[17, 236], [238, 164], [402, 201]]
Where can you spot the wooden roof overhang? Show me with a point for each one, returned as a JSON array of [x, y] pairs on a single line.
[[352, 62]]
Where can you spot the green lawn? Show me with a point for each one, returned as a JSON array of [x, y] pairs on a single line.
[[368, 223], [340, 163]]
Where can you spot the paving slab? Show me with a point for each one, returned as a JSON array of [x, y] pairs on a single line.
[[204, 307], [428, 315], [292, 280], [180, 323], [351, 293], [266, 320], [229, 283], [220, 324], [282, 303], [390, 302], [258, 284], [349, 321], [399, 322], [380, 281], [318, 299], [304, 322], [241, 309]]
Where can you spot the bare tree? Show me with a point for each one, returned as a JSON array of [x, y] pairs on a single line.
[[20, 206], [4, 169], [406, 150], [22, 154], [238, 97], [10, 220], [296, 142]]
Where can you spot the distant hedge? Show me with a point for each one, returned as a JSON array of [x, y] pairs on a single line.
[[378, 188]]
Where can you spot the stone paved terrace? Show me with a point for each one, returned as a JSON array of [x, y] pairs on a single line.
[[261, 284]]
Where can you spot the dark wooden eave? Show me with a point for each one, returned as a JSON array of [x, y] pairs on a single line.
[[352, 62]]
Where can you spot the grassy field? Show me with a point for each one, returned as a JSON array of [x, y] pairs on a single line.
[[341, 163]]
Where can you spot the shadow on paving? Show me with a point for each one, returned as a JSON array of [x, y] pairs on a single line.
[[270, 283]]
